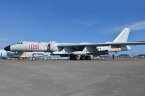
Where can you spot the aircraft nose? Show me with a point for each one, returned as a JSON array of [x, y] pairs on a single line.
[[7, 48]]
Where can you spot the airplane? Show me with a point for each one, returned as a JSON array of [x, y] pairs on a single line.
[[75, 51]]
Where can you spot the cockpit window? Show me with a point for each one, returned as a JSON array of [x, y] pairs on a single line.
[[20, 43]]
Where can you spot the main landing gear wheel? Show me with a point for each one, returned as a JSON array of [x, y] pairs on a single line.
[[34, 58], [73, 57], [88, 57], [85, 58]]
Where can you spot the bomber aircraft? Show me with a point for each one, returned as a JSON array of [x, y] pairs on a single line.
[[82, 51]]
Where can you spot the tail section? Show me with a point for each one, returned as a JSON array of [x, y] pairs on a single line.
[[123, 36]]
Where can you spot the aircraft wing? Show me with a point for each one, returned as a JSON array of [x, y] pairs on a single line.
[[101, 44]]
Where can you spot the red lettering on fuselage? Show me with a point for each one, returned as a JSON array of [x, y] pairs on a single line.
[[34, 46]]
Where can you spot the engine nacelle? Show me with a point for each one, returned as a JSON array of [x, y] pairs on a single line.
[[126, 48], [120, 48], [103, 48], [80, 53]]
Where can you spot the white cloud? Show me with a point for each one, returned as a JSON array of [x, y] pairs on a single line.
[[136, 26]]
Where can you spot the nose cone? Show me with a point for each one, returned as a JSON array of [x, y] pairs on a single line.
[[7, 48]]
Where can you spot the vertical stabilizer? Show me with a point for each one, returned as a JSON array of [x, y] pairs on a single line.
[[123, 36]]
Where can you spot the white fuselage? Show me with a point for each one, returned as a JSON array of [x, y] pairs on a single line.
[[54, 49], [29, 46]]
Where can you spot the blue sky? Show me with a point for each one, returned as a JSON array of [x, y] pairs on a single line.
[[71, 20]]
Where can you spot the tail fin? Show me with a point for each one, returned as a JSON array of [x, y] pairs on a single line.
[[123, 36]]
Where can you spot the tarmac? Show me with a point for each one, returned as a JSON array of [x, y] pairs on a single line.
[[72, 78]]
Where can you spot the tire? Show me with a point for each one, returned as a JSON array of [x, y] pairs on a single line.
[[73, 57], [82, 58], [88, 57], [34, 58]]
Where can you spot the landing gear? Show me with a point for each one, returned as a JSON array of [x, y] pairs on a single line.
[[88, 57], [83, 57], [73, 57], [34, 58]]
